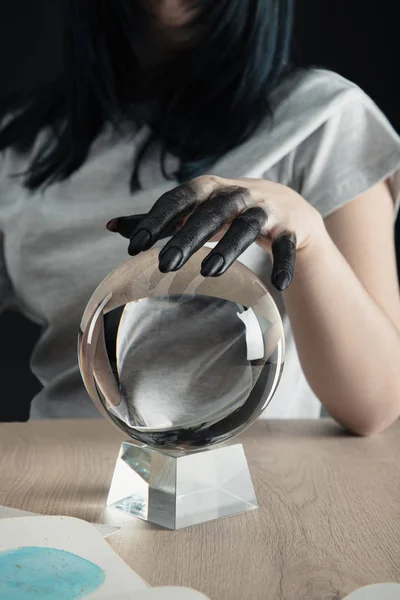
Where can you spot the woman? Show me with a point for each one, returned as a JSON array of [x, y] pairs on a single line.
[[194, 103]]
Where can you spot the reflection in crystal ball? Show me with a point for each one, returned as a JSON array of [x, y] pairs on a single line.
[[178, 361]]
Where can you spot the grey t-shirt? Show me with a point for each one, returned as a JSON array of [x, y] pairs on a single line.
[[328, 141]]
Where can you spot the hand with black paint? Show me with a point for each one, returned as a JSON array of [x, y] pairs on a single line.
[[237, 213]]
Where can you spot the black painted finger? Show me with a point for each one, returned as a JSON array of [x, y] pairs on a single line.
[[126, 226], [202, 225], [243, 232], [284, 255], [172, 206]]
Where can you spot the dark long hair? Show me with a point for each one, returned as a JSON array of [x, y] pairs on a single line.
[[207, 98]]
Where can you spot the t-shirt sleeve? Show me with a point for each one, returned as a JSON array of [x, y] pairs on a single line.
[[5, 286], [352, 151]]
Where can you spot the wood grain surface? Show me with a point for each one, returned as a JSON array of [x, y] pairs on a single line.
[[328, 523]]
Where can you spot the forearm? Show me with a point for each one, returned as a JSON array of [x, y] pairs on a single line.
[[348, 347]]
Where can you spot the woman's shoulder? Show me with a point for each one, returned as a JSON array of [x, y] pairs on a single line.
[[302, 106], [316, 79], [327, 139], [313, 96], [341, 142]]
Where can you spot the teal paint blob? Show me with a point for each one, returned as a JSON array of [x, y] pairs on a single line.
[[35, 573]]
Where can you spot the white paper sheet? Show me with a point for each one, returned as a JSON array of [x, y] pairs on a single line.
[[79, 538], [8, 513]]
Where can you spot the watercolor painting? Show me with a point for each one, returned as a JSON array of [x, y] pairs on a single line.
[[63, 558], [47, 574], [60, 558]]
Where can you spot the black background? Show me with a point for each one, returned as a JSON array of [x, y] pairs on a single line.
[[357, 40]]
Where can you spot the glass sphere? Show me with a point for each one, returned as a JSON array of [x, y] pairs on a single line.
[[178, 361]]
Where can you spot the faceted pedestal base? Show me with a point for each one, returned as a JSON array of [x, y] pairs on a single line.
[[179, 491]]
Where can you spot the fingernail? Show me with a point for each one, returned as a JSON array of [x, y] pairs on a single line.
[[170, 259], [139, 241], [112, 225], [212, 265], [282, 280]]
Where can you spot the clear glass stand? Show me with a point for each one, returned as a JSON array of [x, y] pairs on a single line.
[[179, 490]]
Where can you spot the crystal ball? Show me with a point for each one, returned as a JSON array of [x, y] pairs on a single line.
[[178, 361]]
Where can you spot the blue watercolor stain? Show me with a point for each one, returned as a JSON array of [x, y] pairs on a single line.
[[35, 573]]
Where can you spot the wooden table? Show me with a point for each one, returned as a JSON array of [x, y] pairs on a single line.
[[329, 517]]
